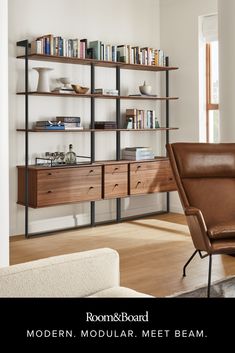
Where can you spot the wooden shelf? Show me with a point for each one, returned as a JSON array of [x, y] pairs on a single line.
[[99, 96], [102, 130], [102, 63]]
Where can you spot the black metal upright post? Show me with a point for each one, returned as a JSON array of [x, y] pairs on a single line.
[[92, 204], [167, 125], [118, 136], [25, 45]]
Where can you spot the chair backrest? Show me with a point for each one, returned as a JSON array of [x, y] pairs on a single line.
[[205, 176]]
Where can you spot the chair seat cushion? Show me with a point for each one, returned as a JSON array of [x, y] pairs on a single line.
[[222, 230]]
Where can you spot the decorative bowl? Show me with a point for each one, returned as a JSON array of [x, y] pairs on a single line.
[[145, 89], [80, 89]]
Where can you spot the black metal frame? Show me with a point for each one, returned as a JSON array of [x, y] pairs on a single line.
[[209, 269], [26, 45]]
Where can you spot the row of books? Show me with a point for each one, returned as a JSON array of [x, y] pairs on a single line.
[[137, 153], [141, 119], [81, 48]]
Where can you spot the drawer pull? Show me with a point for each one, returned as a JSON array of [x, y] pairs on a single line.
[[91, 187], [49, 174], [115, 185], [138, 167], [115, 169], [138, 183], [91, 171], [49, 192], [170, 179]]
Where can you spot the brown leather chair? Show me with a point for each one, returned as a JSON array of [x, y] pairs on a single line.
[[205, 178]]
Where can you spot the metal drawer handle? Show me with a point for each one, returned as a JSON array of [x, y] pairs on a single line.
[[115, 185], [138, 183], [91, 187], [91, 171], [138, 167], [49, 174], [49, 192]]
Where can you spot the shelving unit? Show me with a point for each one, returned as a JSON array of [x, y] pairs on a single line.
[[128, 168]]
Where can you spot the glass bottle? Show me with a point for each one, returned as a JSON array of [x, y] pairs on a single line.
[[70, 157]]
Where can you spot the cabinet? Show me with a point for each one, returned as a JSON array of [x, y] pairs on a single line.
[[43, 186]]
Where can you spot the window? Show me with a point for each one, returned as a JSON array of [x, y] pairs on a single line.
[[212, 92], [209, 79]]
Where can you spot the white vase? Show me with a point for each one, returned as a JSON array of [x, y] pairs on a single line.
[[43, 79]]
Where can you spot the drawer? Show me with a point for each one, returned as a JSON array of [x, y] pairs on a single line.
[[115, 168], [144, 180], [70, 194], [115, 181], [57, 174], [145, 166]]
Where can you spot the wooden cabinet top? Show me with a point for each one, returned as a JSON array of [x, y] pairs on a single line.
[[98, 163]]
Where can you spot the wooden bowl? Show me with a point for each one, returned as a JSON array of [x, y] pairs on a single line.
[[80, 89]]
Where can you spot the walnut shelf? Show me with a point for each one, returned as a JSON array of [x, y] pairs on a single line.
[[102, 63], [98, 96], [102, 130]]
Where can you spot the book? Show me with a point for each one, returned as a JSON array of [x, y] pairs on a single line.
[[143, 95], [95, 45], [138, 149], [69, 119], [50, 127]]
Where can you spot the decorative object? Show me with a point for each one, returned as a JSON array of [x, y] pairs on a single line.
[[66, 82], [80, 89], [43, 78], [70, 157], [145, 89]]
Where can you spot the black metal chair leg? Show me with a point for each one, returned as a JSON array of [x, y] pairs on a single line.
[[209, 277], [189, 260]]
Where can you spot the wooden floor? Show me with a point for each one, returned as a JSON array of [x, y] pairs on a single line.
[[149, 264]]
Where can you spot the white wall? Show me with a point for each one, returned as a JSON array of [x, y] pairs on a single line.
[[226, 12], [133, 22], [4, 143], [179, 37]]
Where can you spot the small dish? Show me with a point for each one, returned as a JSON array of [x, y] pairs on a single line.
[[80, 89]]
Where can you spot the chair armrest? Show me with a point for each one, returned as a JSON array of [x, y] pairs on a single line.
[[193, 211], [198, 229]]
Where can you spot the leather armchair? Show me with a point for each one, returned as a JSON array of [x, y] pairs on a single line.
[[205, 178]]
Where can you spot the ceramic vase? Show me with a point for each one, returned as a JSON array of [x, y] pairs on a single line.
[[43, 78]]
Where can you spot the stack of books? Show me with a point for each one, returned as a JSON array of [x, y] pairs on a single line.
[[138, 153], [105, 125]]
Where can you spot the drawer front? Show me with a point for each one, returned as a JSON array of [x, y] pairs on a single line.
[[145, 166], [115, 186], [144, 179], [116, 168], [68, 186]]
